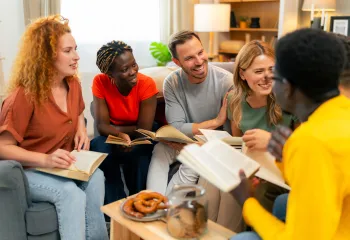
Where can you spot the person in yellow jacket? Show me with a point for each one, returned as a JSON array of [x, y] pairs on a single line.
[[316, 156], [282, 133]]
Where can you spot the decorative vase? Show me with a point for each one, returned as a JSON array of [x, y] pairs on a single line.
[[243, 24], [255, 23], [233, 22]]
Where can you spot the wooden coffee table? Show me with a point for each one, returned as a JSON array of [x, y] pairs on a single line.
[[125, 229]]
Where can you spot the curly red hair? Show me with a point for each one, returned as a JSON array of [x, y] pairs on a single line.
[[34, 68]]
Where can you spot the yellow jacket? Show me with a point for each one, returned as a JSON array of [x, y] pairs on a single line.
[[317, 167]]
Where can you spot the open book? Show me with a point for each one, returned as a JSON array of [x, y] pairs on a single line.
[[224, 136], [120, 141], [220, 163], [268, 168], [167, 133], [82, 169]]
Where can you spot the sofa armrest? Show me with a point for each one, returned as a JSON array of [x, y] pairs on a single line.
[[14, 201]]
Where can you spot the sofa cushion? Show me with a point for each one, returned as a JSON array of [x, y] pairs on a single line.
[[158, 74], [41, 219], [14, 200]]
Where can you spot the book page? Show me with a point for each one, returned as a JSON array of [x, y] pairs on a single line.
[[146, 133], [214, 134], [268, 170], [85, 160], [170, 133], [201, 162], [218, 162], [112, 138], [233, 141], [200, 138], [230, 157], [140, 139], [222, 135], [140, 142]]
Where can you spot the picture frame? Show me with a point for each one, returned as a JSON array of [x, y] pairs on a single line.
[[341, 25]]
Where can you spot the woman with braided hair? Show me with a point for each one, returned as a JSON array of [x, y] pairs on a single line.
[[124, 100]]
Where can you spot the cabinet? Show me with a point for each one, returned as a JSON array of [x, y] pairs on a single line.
[[266, 10]]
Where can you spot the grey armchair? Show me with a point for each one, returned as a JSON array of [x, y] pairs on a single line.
[[20, 218]]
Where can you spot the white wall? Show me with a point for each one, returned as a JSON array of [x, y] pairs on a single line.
[[11, 29], [288, 16]]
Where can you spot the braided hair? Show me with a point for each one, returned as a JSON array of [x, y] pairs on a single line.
[[108, 52]]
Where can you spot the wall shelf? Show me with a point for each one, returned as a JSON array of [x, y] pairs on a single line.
[[228, 52], [254, 29]]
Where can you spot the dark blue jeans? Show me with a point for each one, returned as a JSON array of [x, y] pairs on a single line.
[[135, 168]]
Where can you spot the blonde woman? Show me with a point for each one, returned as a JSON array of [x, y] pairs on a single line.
[[42, 121], [252, 108]]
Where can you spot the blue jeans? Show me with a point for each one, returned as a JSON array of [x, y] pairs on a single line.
[[279, 211], [135, 167], [280, 207], [77, 203]]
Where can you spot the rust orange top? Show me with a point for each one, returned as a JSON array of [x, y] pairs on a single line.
[[42, 128]]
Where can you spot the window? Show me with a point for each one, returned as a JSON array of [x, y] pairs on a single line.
[[96, 22]]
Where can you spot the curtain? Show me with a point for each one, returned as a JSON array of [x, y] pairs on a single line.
[[34, 9], [2, 82], [175, 15]]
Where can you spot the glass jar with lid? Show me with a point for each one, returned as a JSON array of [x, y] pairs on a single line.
[[187, 214]]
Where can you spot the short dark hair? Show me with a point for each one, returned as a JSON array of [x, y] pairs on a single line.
[[344, 79], [107, 53], [311, 60], [180, 38]]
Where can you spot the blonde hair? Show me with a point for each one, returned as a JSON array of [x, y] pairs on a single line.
[[243, 61], [33, 68]]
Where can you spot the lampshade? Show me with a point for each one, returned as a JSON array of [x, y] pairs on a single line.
[[327, 5], [212, 17]]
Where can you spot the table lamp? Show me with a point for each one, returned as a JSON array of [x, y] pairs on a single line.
[[319, 5], [212, 18]]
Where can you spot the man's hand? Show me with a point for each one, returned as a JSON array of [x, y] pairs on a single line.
[[278, 138], [59, 159], [256, 139], [222, 116], [81, 140], [174, 145], [245, 189]]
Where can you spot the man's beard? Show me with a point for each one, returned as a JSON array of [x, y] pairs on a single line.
[[204, 64]]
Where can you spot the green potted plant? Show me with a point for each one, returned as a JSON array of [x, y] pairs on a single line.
[[243, 21], [160, 52]]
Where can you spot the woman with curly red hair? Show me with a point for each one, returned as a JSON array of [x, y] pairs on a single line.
[[42, 121]]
